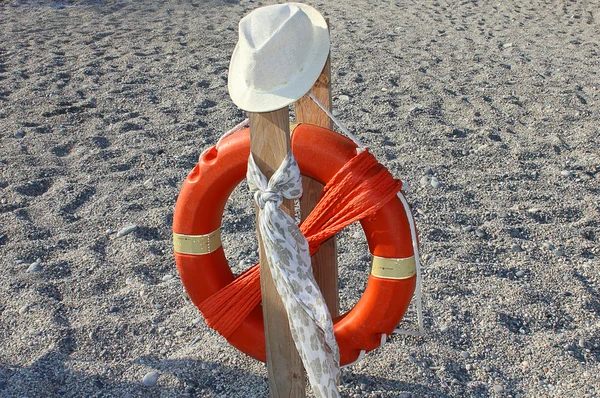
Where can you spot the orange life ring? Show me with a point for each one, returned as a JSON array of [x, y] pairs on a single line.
[[320, 153]]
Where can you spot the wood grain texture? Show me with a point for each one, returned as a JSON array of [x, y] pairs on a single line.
[[324, 262], [307, 111], [269, 144]]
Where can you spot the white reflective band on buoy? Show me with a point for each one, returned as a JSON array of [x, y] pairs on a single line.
[[394, 268], [197, 244]]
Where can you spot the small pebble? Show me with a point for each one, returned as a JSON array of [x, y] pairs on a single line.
[[566, 278], [344, 97], [520, 274], [465, 354], [23, 309], [503, 214], [159, 306], [473, 269], [424, 181], [444, 328], [566, 173], [191, 383], [548, 246], [114, 308], [109, 231], [468, 366], [507, 45], [405, 395], [428, 171], [581, 342], [498, 388], [480, 233], [357, 235], [167, 277], [516, 248], [588, 234], [559, 253], [19, 133], [34, 267], [196, 321], [150, 379], [469, 228], [129, 281], [127, 230], [435, 182]]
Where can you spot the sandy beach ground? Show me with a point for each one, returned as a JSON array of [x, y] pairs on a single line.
[[488, 110]]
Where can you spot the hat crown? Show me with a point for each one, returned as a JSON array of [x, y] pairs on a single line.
[[278, 39]]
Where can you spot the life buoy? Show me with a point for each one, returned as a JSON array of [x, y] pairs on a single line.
[[320, 153]]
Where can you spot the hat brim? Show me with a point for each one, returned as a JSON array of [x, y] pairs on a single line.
[[252, 100]]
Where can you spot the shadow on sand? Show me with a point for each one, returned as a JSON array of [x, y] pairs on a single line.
[[53, 376]]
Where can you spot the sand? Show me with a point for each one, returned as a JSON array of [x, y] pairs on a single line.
[[106, 105]]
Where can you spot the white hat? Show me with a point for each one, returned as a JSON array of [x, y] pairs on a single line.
[[280, 54]]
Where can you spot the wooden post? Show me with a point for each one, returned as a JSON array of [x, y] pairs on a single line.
[[324, 262], [269, 144]]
